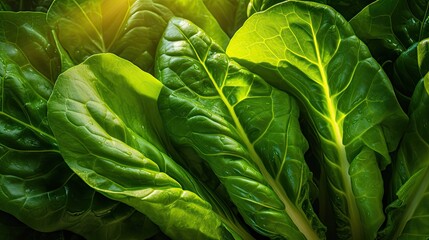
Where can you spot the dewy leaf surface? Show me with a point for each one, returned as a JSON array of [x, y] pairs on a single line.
[[245, 130], [104, 115], [36, 185], [408, 214], [309, 50], [129, 28]]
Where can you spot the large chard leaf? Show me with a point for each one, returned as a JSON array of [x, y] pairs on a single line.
[[128, 28], [408, 214], [104, 115], [244, 129], [309, 50], [37, 186]]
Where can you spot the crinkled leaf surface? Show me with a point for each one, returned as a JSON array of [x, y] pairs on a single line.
[[408, 215], [393, 30], [309, 50], [246, 131], [390, 27], [37, 186], [129, 28], [104, 114], [27, 39]]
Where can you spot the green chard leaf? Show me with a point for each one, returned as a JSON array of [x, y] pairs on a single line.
[[392, 30], [129, 28], [37, 186], [244, 129], [310, 51], [116, 146], [408, 213], [390, 27]]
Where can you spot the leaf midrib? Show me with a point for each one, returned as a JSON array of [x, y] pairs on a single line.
[[298, 218], [343, 163]]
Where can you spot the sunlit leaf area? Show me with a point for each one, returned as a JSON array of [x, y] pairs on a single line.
[[214, 120]]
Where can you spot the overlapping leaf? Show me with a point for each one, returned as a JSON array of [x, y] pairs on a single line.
[[244, 129], [115, 145], [407, 212], [390, 27], [128, 28], [309, 50], [37, 186], [392, 30]]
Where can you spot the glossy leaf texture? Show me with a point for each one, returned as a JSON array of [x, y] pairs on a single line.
[[37, 186], [390, 27], [244, 129], [408, 214], [310, 51], [115, 145], [128, 28], [392, 30], [230, 14], [27, 39], [405, 74]]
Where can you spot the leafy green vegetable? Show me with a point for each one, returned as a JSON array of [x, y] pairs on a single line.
[[309, 50], [37, 186], [392, 30], [390, 27], [129, 28], [408, 214], [116, 147], [246, 131], [285, 132]]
